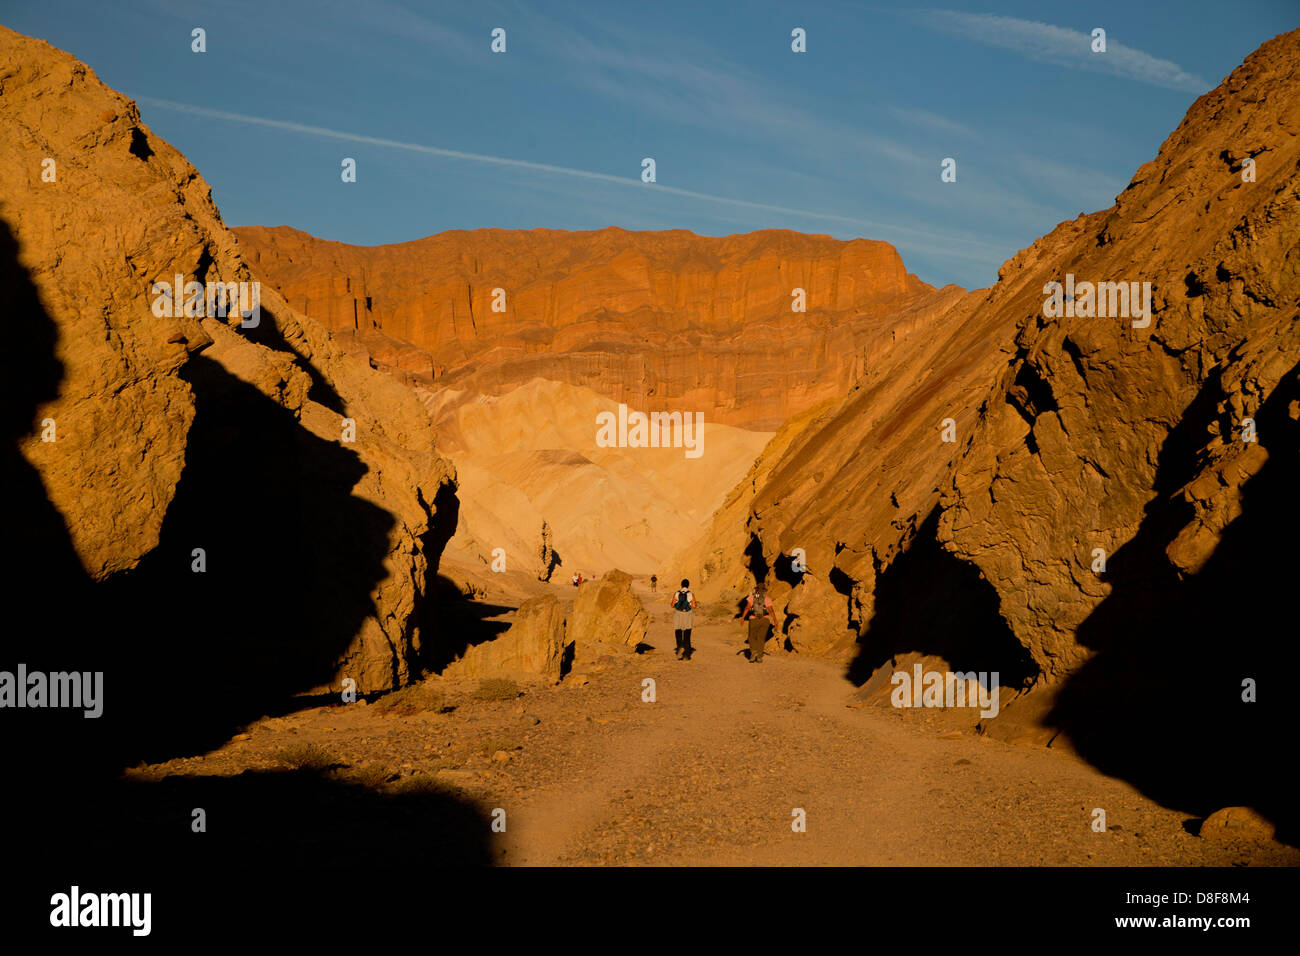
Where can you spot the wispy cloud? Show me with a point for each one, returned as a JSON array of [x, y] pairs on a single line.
[[1093, 189], [1061, 46], [954, 245], [688, 81], [931, 121]]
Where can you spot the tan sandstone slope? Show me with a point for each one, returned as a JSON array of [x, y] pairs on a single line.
[[198, 472], [1097, 440]]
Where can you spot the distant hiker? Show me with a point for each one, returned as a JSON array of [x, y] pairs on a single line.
[[764, 618], [577, 579], [654, 582], [684, 606]]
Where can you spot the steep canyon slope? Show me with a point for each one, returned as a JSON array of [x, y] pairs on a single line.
[[1112, 519], [186, 503]]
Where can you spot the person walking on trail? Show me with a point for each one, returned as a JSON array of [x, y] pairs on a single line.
[[684, 605], [761, 616], [654, 582]]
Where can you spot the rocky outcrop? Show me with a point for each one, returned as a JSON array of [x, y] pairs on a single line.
[[245, 494], [667, 322], [607, 617], [844, 489], [544, 637], [1236, 825], [1097, 423], [1063, 455], [532, 648], [660, 320], [1095, 509]]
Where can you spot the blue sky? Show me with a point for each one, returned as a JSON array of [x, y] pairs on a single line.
[[845, 139]]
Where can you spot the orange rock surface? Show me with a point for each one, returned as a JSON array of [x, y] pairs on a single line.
[[174, 436], [662, 320]]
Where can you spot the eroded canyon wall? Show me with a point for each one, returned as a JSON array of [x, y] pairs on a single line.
[[659, 320], [195, 466], [1096, 428]]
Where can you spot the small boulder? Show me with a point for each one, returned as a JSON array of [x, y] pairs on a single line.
[[607, 616], [1233, 824], [532, 648]]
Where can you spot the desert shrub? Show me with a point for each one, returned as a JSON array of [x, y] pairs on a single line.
[[306, 757], [497, 688], [420, 785], [372, 776], [415, 699]]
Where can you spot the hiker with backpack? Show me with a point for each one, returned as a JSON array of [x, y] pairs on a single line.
[[684, 606], [764, 617]]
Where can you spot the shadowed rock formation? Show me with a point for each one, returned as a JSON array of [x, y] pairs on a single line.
[[1095, 434], [181, 443], [533, 647]]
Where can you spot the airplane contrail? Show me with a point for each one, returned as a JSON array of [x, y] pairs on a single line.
[[309, 130]]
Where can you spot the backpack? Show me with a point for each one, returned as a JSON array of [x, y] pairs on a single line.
[[683, 602]]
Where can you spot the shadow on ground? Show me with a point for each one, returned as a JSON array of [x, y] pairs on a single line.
[[291, 557], [456, 623]]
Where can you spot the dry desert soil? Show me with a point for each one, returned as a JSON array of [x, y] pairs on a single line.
[[713, 771]]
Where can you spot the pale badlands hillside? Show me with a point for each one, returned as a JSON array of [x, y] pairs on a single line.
[[529, 456]]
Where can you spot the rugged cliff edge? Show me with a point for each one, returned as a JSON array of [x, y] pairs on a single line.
[[248, 511], [660, 320], [1113, 520]]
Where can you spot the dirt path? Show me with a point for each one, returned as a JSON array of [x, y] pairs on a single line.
[[712, 772]]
